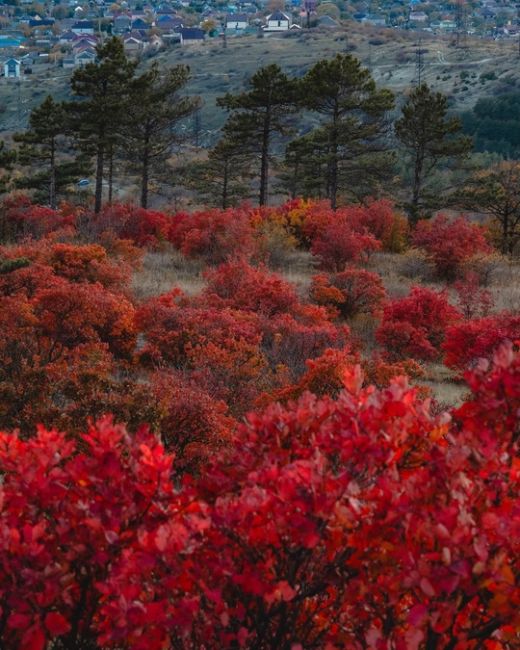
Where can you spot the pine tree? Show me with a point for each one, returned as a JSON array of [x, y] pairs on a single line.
[[224, 178], [304, 169], [43, 146], [260, 114], [354, 113], [97, 120], [428, 137], [7, 159], [155, 109]]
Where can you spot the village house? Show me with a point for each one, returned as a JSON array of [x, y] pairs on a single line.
[[236, 22], [191, 35], [122, 24], [12, 68], [83, 27], [277, 22]]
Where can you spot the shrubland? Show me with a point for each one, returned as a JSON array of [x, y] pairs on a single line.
[[276, 471]]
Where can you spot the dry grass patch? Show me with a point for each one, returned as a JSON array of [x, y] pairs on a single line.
[[165, 269]]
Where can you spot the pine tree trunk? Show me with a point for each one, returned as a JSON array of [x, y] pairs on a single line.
[[110, 176], [145, 169], [99, 180], [52, 183], [417, 185], [333, 168], [225, 186], [264, 168]]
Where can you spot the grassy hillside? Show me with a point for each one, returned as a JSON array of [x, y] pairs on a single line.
[[480, 68]]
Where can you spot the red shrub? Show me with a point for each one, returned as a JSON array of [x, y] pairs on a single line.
[[20, 219], [213, 235], [72, 513], [471, 340], [143, 227], [77, 263], [351, 292], [238, 285], [450, 243], [381, 220], [337, 244], [415, 326], [193, 424], [472, 298]]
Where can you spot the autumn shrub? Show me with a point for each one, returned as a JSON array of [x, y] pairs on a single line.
[[382, 221], [352, 291], [147, 228], [20, 219], [473, 300], [59, 343], [450, 244], [213, 235], [75, 262], [193, 425], [338, 244], [415, 326], [471, 340], [239, 285], [73, 512], [323, 522]]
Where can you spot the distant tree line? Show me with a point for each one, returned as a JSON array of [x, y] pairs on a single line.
[[122, 122]]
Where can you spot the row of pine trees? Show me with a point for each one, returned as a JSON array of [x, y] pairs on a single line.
[[119, 119]]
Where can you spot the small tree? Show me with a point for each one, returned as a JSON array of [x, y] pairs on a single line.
[[42, 145], [428, 137], [155, 109], [261, 113], [223, 179], [497, 192]]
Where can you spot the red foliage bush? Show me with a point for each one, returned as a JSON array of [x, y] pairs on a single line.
[[380, 220], [213, 235], [77, 263], [415, 326], [143, 227], [450, 244], [323, 524], [338, 243], [238, 285], [352, 292], [472, 298], [72, 512], [193, 425], [472, 340], [21, 219]]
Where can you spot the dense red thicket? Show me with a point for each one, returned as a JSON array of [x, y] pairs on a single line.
[[450, 244], [415, 326], [357, 522], [469, 341]]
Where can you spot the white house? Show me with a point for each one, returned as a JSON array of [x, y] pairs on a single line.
[[278, 22], [12, 69], [236, 22]]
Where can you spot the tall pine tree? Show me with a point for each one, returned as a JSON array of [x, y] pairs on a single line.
[[155, 109], [97, 120], [354, 121], [260, 114], [428, 137]]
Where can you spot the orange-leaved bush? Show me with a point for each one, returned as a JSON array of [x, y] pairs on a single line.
[[351, 292], [213, 235]]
